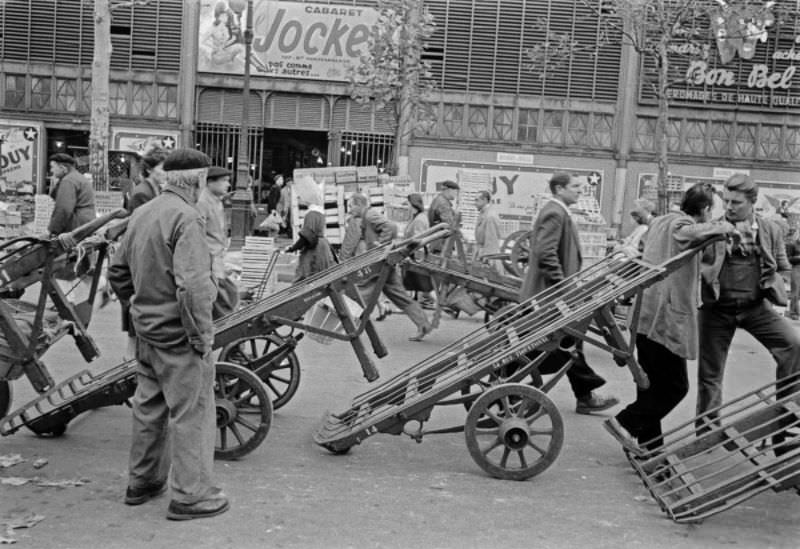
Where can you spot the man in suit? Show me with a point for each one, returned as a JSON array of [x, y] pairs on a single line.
[[555, 255], [738, 280]]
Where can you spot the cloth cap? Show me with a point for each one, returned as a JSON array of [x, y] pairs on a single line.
[[215, 172], [186, 159], [62, 158], [448, 184]]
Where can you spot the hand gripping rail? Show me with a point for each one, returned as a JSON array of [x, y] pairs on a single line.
[[538, 324]]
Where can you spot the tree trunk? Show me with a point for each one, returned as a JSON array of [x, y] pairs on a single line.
[[98, 137], [661, 137]]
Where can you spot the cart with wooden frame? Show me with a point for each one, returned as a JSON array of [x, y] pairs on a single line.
[[254, 360], [727, 455], [512, 429]]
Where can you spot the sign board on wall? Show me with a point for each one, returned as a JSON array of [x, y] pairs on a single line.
[[19, 158], [751, 57], [140, 140], [516, 189], [290, 39]]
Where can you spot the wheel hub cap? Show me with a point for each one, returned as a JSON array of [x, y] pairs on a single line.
[[514, 433]]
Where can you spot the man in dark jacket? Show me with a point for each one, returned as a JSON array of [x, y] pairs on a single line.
[[441, 211], [163, 267], [73, 196], [739, 279], [555, 255]]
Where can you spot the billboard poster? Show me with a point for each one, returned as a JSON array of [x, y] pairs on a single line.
[[19, 155], [774, 197], [290, 39], [749, 56], [516, 190], [141, 140]]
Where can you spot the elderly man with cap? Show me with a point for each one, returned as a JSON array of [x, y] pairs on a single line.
[[441, 211], [212, 210], [163, 268], [739, 279], [73, 195]]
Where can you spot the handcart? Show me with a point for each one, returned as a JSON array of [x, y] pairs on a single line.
[[512, 429], [28, 330], [728, 455], [253, 359]]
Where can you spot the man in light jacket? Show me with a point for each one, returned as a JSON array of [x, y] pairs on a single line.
[[666, 336]]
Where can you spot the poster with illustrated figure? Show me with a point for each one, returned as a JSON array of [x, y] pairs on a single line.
[[774, 197], [141, 141], [291, 39], [516, 190], [19, 155]]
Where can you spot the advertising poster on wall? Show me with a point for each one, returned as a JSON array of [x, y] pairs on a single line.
[[516, 190], [290, 39], [19, 155], [140, 141], [774, 197]]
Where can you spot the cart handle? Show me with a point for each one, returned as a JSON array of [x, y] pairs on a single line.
[[87, 229]]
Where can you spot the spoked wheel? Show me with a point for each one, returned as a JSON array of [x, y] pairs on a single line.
[[280, 373], [515, 445], [6, 396], [244, 411], [498, 377], [515, 266]]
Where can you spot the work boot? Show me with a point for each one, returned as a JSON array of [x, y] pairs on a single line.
[[204, 508], [595, 403], [623, 436], [137, 496]]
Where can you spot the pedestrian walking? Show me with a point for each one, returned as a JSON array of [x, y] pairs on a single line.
[[374, 230], [666, 335], [487, 231], [420, 284], [163, 268], [555, 255], [441, 211], [315, 250]]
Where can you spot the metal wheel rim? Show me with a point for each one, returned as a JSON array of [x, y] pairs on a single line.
[[497, 453], [281, 382], [508, 247], [237, 388]]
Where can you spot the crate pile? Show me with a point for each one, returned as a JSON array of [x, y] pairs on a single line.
[[256, 256]]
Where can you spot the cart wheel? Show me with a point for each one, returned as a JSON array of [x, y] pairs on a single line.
[[244, 411], [507, 248], [282, 379], [6, 396], [520, 254], [517, 445]]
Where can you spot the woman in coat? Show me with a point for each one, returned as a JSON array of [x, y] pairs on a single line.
[[315, 251], [418, 224]]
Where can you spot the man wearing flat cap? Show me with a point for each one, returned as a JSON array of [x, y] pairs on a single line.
[[212, 210], [441, 211], [163, 268], [740, 278], [73, 196]]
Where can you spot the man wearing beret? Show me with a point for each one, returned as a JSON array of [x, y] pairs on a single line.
[[73, 196], [212, 211], [441, 211], [739, 279], [163, 268]]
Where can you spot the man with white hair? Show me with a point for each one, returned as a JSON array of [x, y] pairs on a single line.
[[163, 268]]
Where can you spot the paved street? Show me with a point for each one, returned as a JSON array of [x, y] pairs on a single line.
[[388, 492]]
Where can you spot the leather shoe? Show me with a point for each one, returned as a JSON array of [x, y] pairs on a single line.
[[623, 436], [137, 496], [202, 509], [595, 403], [421, 333]]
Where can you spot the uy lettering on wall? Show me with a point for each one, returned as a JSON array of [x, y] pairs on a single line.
[[290, 39], [19, 154]]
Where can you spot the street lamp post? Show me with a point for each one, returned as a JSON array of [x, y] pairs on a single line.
[[242, 198]]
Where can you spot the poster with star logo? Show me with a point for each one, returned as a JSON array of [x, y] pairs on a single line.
[[20, 152], [141, 140], [517, 190]]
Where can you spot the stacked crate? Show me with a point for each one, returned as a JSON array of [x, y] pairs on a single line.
[[256, 254]]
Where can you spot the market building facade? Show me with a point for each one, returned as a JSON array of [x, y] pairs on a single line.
[[176, 78]]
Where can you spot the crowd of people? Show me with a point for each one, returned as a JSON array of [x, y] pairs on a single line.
[[169, 273]]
